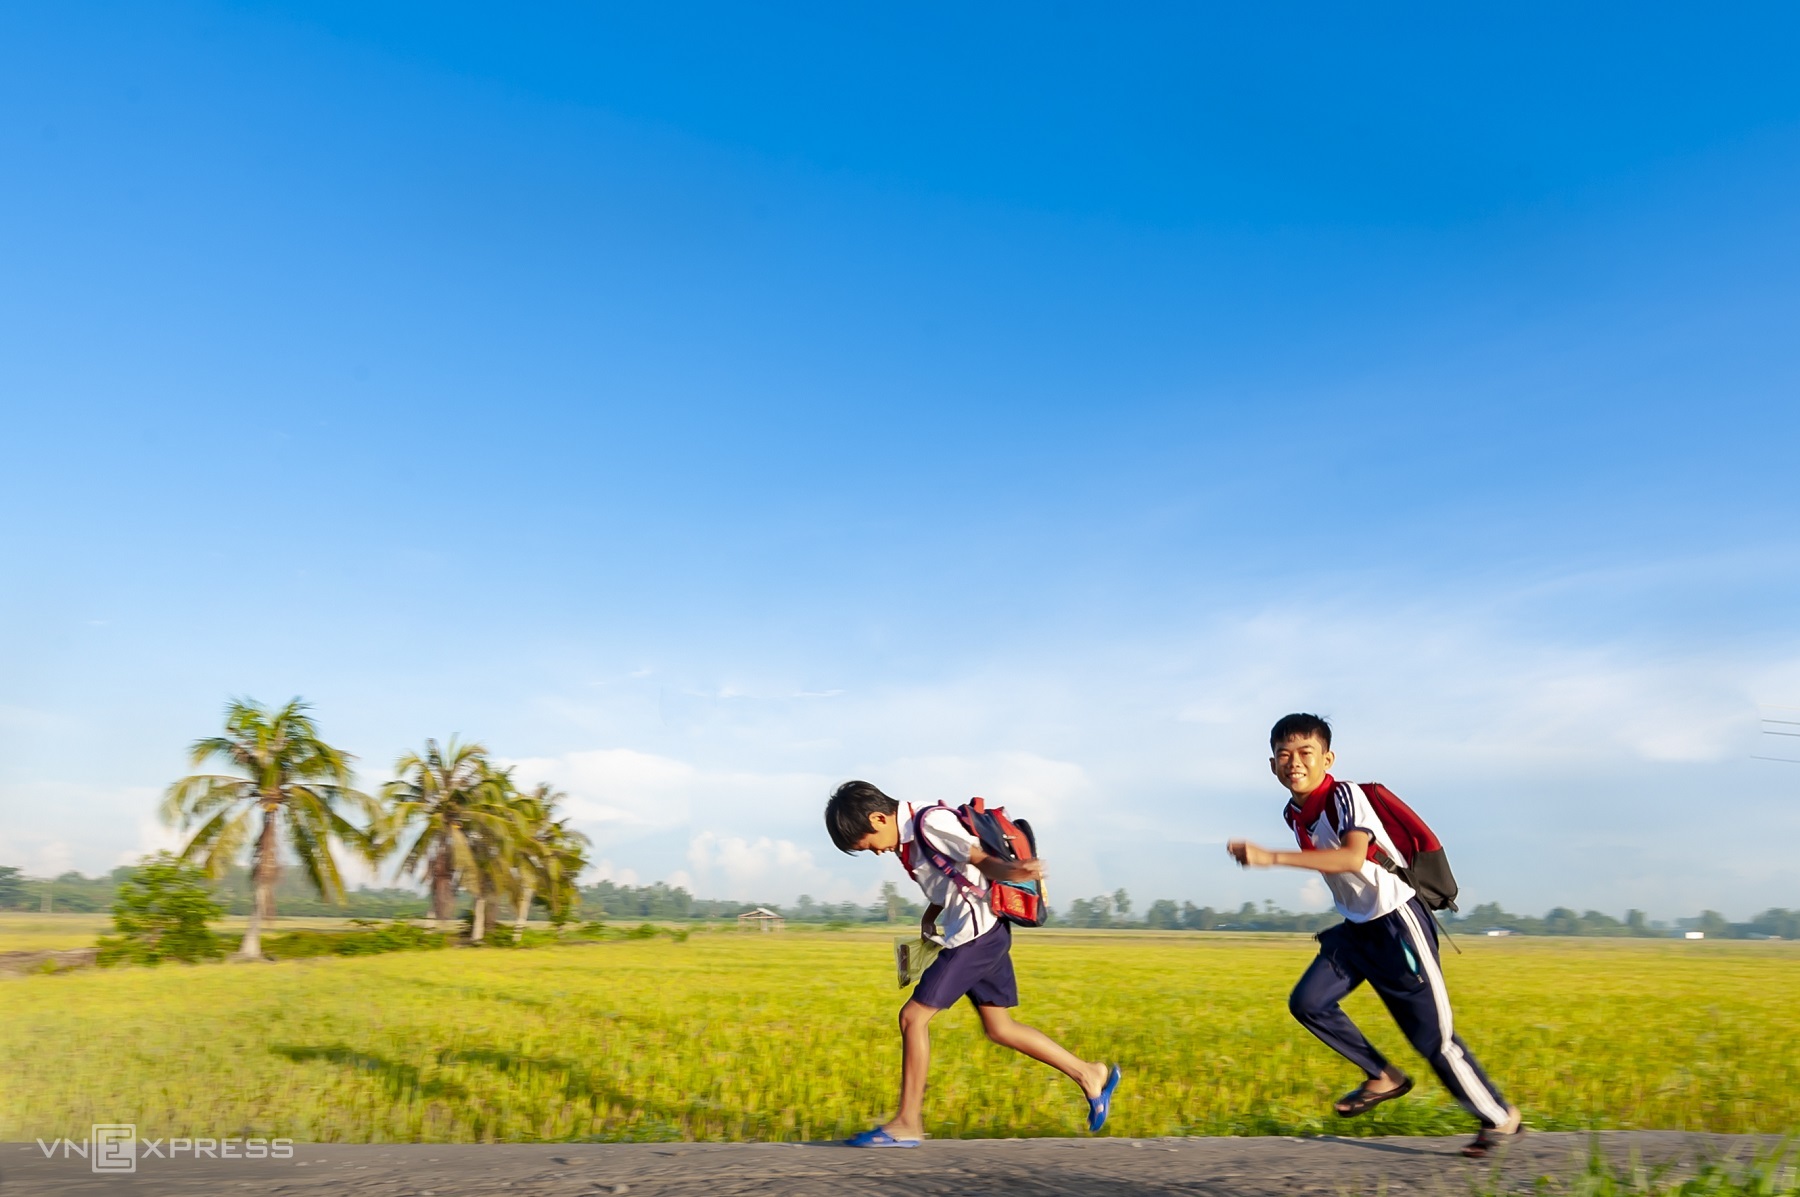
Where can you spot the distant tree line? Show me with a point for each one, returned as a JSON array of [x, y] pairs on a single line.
[[607, 900], [75, 893], [1165, 914], [672, 903], [1775, 923]]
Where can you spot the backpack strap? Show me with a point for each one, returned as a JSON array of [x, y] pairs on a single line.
[[938, 858]]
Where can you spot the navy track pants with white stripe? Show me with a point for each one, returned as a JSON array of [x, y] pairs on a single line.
[[1397, 954]]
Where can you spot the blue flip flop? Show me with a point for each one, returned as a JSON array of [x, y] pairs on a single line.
[[878, 1138], [1099, 1107]]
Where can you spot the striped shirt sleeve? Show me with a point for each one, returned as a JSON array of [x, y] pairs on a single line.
[[1356, 812]]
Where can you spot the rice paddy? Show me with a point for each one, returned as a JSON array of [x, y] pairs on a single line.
[[790, 1036], [50, 932]]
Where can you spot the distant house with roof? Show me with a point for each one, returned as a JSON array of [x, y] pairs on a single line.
[[762, 918]]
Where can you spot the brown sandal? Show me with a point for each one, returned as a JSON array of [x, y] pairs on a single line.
[[1486, 1139], [1360, 1101]]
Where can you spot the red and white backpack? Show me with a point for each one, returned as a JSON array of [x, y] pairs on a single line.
[[1021, 903], [1424, 866]]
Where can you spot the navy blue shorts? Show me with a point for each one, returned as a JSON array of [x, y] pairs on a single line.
[[980, 970]]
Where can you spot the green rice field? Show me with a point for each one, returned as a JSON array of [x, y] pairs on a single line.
[[54, 932], [729, 1035], [48, 932]]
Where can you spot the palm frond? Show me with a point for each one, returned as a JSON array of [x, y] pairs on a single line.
[[194, 798], [312, 849], [219, 840]]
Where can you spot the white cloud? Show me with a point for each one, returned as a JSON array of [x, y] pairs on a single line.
[[1136, 758], [605, 870], [618, 789], [622, 792], [153, 835], [1136, 761], [765, 868], [1468, 687], [623, 795], [1052, 793], [47, 828], [50, 859]]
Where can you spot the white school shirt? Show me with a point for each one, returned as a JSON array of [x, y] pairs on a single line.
[[1371, 891], [965, 916]]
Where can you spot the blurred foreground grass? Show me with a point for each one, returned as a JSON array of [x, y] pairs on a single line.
[[790, 1036]]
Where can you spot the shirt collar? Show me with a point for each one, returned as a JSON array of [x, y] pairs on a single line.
[[1305, 813]]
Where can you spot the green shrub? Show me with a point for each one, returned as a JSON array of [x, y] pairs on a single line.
[[597, 930], [369, 939], [297, 945], [161, 913]]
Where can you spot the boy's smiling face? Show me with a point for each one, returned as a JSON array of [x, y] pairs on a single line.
[[1300, 763], [884, 834]]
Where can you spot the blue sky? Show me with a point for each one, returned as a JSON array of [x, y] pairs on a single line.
[[701, 406]]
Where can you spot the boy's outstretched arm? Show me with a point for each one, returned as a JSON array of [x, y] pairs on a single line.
[[1347, 859]]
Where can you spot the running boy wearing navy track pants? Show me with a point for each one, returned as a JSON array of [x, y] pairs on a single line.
[[1388, 938], [976, 960]]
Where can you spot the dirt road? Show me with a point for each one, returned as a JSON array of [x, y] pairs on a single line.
[[964, 1168]]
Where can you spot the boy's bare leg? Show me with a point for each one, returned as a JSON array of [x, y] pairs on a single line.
[[915, 1063], [998, 1022]]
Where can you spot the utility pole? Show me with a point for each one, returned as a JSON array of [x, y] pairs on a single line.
[[1782, 722]]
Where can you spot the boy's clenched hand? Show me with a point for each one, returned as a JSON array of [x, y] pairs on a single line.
[[1251, 856], [995, 869]]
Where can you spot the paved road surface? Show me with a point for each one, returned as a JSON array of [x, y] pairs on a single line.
[[963, 1168]]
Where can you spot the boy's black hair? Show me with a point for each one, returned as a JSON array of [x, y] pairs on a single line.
[[847, 813], [1300, 724]]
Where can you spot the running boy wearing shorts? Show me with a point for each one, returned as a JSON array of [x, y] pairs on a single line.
[[1388, 938], [976, 960]]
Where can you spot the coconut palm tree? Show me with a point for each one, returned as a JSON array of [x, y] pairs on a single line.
[[551, 857], [501, 843], [285, 792], [456, 808]]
